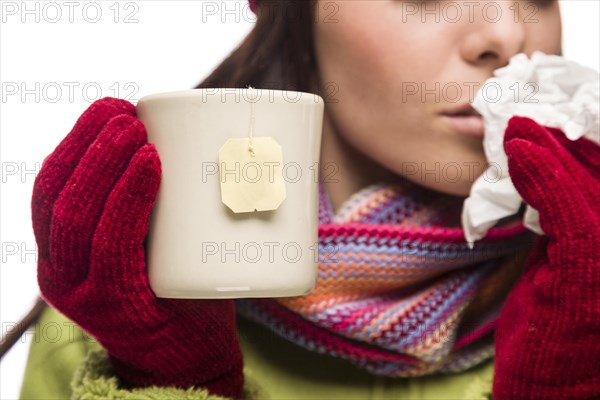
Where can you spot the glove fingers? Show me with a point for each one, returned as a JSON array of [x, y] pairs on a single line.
[[534, 171], [528, 129], [584, 150], [80, 205], [60, 164], [118, 259]]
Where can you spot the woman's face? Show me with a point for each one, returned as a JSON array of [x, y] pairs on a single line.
[[400, 73]]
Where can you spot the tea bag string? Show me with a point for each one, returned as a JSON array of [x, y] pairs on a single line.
[[251, 130]]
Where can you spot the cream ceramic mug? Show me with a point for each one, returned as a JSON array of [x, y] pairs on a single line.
[[197, 245]]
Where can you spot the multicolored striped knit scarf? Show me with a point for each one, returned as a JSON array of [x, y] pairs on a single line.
[[394, 281]]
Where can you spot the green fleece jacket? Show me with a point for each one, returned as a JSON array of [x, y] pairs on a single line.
[[65, 363]]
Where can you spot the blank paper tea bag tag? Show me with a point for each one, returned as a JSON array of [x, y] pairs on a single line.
[[251, 180], [251, 172]]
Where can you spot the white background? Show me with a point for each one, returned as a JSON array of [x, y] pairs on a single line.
[[172, 46]]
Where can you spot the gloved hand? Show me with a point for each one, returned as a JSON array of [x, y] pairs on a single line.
[[90, 208], [547, 341]]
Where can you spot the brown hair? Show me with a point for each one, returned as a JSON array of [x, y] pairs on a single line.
[[277, 54]]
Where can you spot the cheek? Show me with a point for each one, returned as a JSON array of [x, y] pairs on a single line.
[[352, 59], [546, 33], [373, 56], [366, 67], [352, 56]]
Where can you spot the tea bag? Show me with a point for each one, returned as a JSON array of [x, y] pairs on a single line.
[[251, 170]]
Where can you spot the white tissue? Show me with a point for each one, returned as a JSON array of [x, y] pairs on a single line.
[[548, 89]]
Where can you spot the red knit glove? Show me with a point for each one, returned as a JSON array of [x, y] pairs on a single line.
[[548, 335], [91, 206]]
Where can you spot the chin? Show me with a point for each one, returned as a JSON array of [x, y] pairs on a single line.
[[461, 188]]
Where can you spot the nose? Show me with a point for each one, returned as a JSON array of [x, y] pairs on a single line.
[[496, 34]]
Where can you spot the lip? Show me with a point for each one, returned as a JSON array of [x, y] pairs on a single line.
[[465, 119]]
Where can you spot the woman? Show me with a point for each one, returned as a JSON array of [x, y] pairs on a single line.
[[423, 330]]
